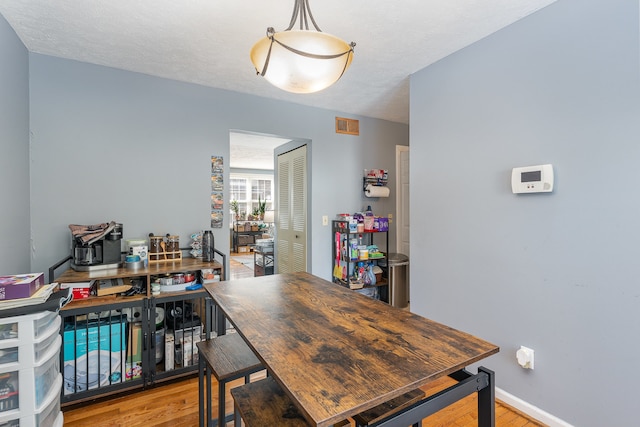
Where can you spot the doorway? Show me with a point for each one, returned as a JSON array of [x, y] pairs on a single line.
[[252, 175]]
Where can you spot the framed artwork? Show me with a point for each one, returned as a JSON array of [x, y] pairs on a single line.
[[217, 191]]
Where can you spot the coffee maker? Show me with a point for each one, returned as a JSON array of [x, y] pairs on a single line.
[[96, 247]]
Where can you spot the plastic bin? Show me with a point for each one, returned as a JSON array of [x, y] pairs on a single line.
[[37, 393], [48, 414], [26, 342], [397, 267], [27, 327]]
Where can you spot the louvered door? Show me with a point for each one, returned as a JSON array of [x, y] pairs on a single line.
[[292, 211]]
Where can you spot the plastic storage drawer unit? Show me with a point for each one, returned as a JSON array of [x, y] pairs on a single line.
[[47, 414], [30, 379]]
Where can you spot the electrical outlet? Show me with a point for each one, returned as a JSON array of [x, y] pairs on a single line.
[[390, 216], [525, 357], [325, 220]]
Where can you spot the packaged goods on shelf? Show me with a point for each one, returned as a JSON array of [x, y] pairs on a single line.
[[93, 354], [169, 349], [186, 351], [133, 364], [20, 286], [383, 224], [80, 290]]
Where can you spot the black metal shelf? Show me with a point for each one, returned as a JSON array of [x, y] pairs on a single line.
[[342, 227]]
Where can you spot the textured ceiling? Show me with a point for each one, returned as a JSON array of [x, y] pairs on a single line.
[[251, 151], [207, 42]]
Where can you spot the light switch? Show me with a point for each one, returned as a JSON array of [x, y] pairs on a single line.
[[325, 220]]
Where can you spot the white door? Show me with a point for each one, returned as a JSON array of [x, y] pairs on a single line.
[[402, 199], [292, 211]]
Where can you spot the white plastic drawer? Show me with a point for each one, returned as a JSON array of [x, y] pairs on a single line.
[[10, 423], [59, 421], [46, 374], [43, 344], [27, 327], [25, 352], [48, 414], [51, 411], [25, 389]]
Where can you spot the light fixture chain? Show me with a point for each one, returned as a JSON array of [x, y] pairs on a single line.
[[296, 8], [304, 24], [302, 11], [313, 21]]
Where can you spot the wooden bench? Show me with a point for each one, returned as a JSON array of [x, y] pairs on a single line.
[[228, 358], [264, 403]]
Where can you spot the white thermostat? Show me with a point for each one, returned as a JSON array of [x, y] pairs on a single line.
[[532, 179]]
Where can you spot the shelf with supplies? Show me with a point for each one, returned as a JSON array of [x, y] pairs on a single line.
[[263, 258], [117, 343], [353, 249], [244, 235]]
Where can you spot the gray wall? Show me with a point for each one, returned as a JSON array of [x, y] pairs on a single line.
[[115, 145], [14, 153], [555, 272]]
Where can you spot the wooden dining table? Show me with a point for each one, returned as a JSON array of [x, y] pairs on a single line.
[[337, 353]]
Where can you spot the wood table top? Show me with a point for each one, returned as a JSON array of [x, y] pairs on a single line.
[[335, 351]]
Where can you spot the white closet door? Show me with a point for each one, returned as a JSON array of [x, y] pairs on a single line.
[[402, 200], [292, 211]]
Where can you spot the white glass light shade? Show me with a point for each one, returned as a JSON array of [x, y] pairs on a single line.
[[297, 73]]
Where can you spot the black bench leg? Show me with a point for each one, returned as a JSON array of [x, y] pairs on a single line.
[[221, 410], [201, 392], [237, 420]]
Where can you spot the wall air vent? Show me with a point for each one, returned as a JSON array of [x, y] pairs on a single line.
[[348, 126]]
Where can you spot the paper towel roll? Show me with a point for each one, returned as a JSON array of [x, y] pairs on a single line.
[[376, 191]]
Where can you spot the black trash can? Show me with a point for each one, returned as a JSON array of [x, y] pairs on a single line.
[[397, 269]]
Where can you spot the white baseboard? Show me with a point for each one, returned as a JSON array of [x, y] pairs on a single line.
[[529, 409]]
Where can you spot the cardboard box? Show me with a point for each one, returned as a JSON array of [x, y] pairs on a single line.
[[79, 290], [133, 365], [20, 286], [93, 354], [243, 249], [186, 351], [168, 351]]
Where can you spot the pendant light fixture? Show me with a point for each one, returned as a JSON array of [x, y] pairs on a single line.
[[301, 60]]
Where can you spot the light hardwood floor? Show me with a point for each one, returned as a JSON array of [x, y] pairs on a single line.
[[176, 404]]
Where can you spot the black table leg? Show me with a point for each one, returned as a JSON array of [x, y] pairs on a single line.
[[487, 401]]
